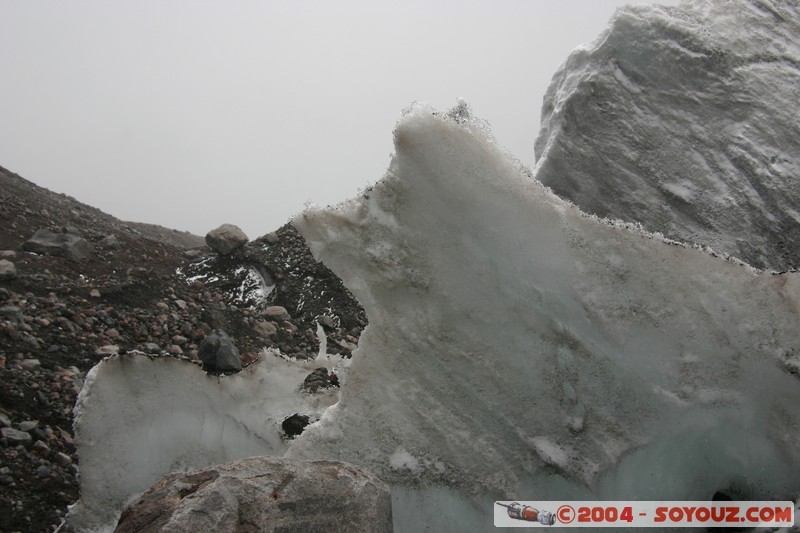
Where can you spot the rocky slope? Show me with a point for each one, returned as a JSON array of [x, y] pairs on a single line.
[[143, 289], [684, 119]]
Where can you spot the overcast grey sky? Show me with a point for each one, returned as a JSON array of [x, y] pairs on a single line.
[[194, 113]]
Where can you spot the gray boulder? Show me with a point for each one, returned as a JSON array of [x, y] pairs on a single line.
[[263, 494], [67, 245], [7, 270], [218, 353], [226, 239]]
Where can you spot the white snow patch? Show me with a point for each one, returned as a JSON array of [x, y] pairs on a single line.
[[402, 460], [550, 452]]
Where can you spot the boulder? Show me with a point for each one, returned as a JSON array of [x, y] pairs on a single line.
[[218, 353], [263, 494], [226, 239], [7, 270], [67, 245], [276, 313]]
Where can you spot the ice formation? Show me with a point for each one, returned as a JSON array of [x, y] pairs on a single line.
[[684, 119], [517, 348]]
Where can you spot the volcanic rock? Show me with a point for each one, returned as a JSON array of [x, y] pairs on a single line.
[[219, 354], [226, 239], [67, 245]]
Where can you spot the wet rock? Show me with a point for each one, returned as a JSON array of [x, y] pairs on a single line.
[[218, 353], [263, 494], [66, 245], [226, 239]]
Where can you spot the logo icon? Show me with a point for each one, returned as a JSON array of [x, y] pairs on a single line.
[[528, 513]]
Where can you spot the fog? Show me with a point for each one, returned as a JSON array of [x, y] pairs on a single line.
[[192, 114]]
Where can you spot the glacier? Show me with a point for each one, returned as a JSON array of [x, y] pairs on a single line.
[[684, 119], [519, 347]]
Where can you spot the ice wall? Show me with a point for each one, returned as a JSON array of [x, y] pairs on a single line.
[[684, 119], [517, 346]]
